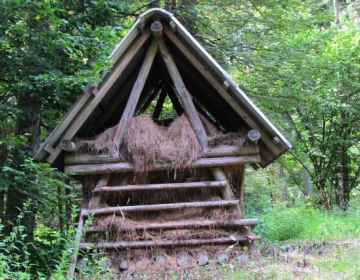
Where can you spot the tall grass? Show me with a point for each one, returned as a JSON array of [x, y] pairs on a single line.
[[308, 224]]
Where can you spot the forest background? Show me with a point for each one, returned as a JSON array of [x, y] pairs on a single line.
[[299, 61]]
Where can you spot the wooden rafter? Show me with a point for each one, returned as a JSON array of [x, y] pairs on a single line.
[[135, 94], [219, 87], [159, 105], [116, 73], [184, 94], [142, 106], [175, 101]]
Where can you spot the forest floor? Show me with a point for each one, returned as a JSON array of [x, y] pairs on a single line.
[[297, 260]]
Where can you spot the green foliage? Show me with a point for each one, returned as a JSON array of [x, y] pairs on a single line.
[[303, 223]]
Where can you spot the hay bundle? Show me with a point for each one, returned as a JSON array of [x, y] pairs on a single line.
[[146, 143], [102, 143]]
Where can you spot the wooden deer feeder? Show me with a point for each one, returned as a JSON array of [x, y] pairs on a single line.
[[115, 139]]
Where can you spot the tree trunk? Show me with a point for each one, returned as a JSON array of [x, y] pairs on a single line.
[[345, 180], [284, 189], [60, 209], [154, 4], [336, 12], [28, 124], [307, 181], [189, 12], [67, 203], [170, 5]]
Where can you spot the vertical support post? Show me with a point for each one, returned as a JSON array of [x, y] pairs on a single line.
[[71, 272], [96, 197], [241, 185], [226, 192]]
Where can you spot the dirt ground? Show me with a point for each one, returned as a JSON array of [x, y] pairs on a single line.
[[297, 260]]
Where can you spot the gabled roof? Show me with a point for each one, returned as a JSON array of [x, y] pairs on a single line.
[[208, 83]]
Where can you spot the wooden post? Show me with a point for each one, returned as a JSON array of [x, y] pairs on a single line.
[[135, 94], [71, 272], [95, 199], [184, 95], [241, 185], [226, 192]]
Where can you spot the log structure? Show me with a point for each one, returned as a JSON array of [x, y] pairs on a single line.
[[159, 64]]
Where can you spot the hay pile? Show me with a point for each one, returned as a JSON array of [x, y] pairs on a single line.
[[147, 143]]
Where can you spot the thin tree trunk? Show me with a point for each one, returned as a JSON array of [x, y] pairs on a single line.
[[283, 188], [27, 124], [60, 209], [345, 180], [307, 181], [170, 5], [336, 12], [67, 203]]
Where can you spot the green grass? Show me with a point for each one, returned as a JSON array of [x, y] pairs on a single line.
[[308, 224]]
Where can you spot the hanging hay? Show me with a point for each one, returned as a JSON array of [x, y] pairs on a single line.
[[146, 143], [102, 143]]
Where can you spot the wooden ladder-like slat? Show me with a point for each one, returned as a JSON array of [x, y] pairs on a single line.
[[185, 224], [168, 186], [166, 243], [160, 207]]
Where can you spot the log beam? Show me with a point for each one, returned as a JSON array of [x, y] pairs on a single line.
[[184, 225], [121, 167], [135, 94], [166, 243], [168, 186], [210, 152], [160, 207], [95, 199], [226, 193], [184, 94]]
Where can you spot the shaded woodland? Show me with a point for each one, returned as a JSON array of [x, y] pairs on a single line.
[[297, 60]]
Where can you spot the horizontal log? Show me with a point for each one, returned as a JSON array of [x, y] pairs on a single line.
[[159, 207], [217, 151], [169, 186], [185, 224], [121, 167], [229, 150], [166, 243]]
